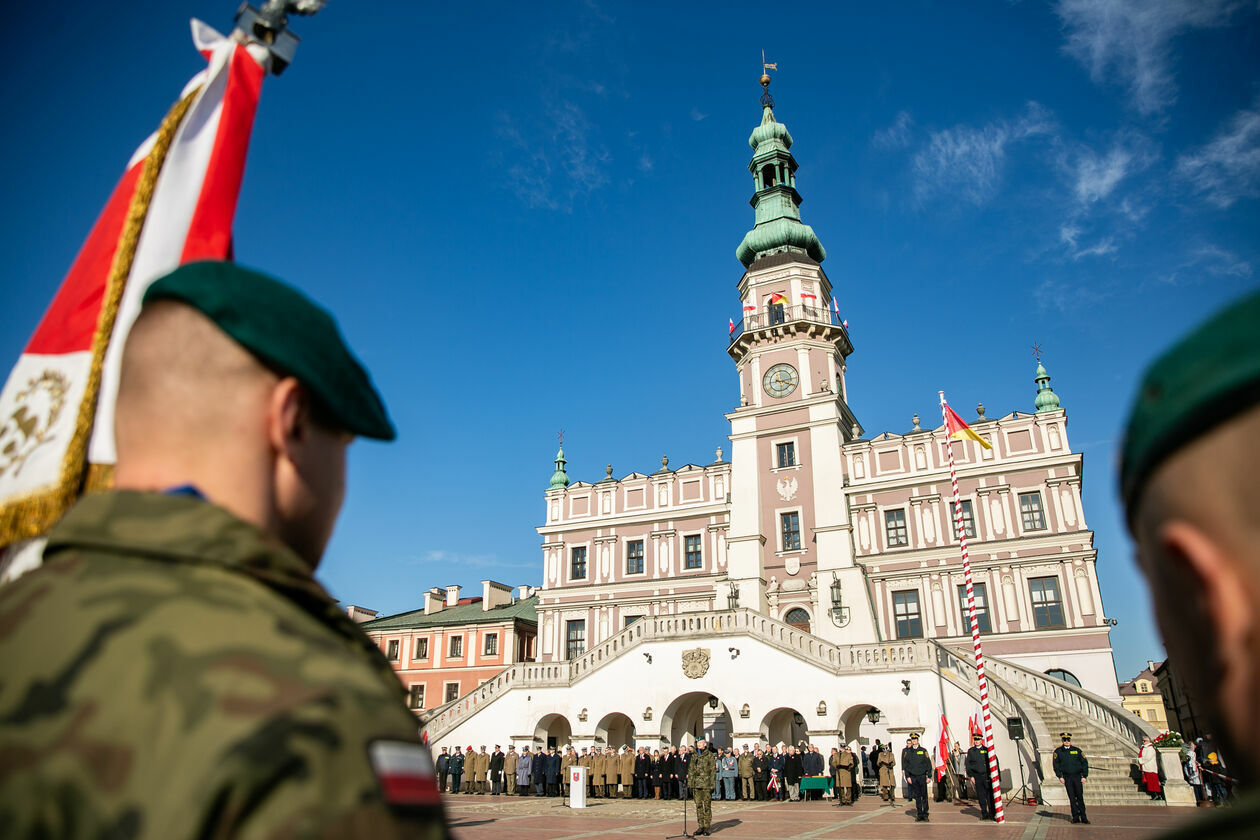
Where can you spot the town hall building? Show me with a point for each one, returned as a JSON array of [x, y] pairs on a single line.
[[810, 586]]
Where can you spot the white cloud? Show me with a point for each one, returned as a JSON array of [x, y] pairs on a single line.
[[559, 162], [1221, 263], [1069, 234], [454, 559], [1133, 39], [696, 115], [1227, 168], [895, 136], [967, 162]]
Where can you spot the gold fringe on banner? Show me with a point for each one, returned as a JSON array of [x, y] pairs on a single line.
[[31, 516]]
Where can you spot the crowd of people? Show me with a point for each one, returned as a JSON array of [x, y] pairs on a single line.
[[757, 772]]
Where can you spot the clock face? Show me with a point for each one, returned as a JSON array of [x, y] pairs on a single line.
[[780, 380]]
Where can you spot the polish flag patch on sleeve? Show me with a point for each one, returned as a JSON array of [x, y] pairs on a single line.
[[405, 772]]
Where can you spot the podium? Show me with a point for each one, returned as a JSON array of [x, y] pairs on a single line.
[[577, 786]]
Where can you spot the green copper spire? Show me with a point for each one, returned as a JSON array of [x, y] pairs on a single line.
[[560, 478], [776, 203], [1047, 399]]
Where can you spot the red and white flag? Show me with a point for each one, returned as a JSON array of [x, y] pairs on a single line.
[[174, 204], [732, 329], [835, 307], [942, 749]]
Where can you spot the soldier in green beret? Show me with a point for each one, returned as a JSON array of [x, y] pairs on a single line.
[[173, 670], [1190, 477], [701, 779]]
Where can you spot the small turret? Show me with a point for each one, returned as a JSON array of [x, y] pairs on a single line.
[[1047, 399], [560, 478]]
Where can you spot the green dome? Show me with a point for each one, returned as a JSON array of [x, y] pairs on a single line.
[[770, 129], [780, 234], [1047, 399]]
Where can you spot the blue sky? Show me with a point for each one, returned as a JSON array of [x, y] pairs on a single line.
[[525, 217]]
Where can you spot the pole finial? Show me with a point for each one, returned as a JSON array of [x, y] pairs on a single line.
[[766, 99], [1036, 348]]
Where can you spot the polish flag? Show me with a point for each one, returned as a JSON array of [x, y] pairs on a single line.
[[750, 307], [835, 307], [405, 772], [942, 749], [732, 329], [173, 204]]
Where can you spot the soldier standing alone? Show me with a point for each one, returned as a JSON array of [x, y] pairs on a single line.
[[1072, 768], [884, 763], [977, 766], [916, 764], [701, 776]]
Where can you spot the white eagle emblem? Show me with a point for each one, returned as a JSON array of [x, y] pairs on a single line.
[[787, 489]]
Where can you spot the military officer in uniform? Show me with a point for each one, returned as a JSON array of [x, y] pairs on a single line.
[[509, 770], [1072, 768], [237, 401], [625, 772], [843, 771], [744, 766], [885, 763], [977, 766], [456, 768], [701, 777], [440, 764], [916, 764], [470, 771]]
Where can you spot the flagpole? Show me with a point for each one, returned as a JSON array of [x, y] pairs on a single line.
[[998, 812]]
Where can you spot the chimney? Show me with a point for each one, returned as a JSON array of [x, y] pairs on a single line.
[[1150, 666], [526, 591], [433, 601], [452, 595], [494, 594], [360, 614]]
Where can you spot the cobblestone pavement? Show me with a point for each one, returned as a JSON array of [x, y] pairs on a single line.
[[533, 818]]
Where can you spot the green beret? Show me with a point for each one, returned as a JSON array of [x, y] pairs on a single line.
[[285, 330], [1207, 378]]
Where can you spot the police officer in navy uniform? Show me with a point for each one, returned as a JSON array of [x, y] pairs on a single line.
[[1072, 768], [915, 765], [977, 766]]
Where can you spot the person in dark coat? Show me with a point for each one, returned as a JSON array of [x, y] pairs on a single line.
[[812, 765], [761, 774], [777, 758], [793, 770], [524, 771], [684, 761], [455, 767], [916, 764], [539, 773], [1072, 768], [496, 770], [552, 771], [440, 766], [642, 770], [977, 766]]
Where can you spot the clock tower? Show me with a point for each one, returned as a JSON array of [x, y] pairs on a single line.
[[790, 549]]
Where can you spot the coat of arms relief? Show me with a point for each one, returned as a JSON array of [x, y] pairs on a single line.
[[787, 488], [695, 663]]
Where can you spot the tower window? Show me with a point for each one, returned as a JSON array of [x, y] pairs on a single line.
[[785, 454], [968, 520], [778, 314], [767, 176], [906, 614], [577, 563], [1031, 512], [691, 552], [575, 638], [895, 526], [797, 618], [1046, 602], [982, 607], [790, 524], [634, 557]]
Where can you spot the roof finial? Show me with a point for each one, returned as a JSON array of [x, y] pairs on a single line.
[[560, 478], [1047, 399], [766, 99]]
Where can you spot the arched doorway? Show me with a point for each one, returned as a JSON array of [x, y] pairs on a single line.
[[852, 721], [615, 730], [552, 731], [693, 716], [798, 618], [784, 726]]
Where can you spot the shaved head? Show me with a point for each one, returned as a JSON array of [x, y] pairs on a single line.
[[196, 408], [1197, 529]]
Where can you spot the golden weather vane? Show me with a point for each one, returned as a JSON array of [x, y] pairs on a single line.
[[766, 67]]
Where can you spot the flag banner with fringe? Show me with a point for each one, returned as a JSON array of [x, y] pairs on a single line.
[[173, 204]]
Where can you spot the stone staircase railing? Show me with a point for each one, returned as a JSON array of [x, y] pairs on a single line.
[[837, 659]]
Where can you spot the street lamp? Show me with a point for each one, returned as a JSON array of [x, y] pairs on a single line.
[[713, 702], [873, 715], [733, 600]]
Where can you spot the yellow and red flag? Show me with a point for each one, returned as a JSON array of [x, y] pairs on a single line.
[[776, 299], [961, 431]]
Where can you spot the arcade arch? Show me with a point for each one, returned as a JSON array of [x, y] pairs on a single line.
[[552, 730], [696, 715], [784, 725], [615, 730]]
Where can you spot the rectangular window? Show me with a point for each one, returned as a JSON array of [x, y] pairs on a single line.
[[895, 526], [1046, 603], [421, 648], [790, 528], [416, 697], [982, 607], [492, 644], [457, 646], [1030, 509], [452, 691], [631, 619], [906, 614], [968, 520], [577, 564], [785, 454], [691, 552], [777, 314], [575, 638], [634, 557], [391, 649]]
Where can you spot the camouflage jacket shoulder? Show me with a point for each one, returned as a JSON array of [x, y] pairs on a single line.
[[702, 770], [171, 671]]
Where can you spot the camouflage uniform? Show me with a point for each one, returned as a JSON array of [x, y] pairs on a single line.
[[701, 775], [173, 672]]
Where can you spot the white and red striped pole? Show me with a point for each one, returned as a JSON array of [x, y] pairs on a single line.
[[998, 811]]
